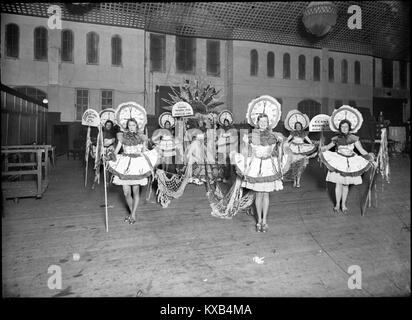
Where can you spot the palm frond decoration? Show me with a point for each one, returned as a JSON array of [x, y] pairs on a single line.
[[199, 93]]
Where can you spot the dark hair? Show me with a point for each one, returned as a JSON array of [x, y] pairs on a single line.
[[132, 120], [262, 115], [297, 122], [347, 122], [166, 122], [109, 121]]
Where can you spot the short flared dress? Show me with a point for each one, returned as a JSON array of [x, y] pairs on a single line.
[[135, 164], [345, 166], [262, 169]]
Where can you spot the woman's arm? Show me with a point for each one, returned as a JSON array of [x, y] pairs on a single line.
[[119, 145], [358, 146], [327, 147], [308, 140]]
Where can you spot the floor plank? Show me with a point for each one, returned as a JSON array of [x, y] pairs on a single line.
[[184, 251]]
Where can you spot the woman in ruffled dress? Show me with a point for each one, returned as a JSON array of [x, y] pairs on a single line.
[[262, 170], [301, 152], [344, 165], [132, 168]]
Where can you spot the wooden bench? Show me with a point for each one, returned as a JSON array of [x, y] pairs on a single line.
[[49, 150], [29, 188]]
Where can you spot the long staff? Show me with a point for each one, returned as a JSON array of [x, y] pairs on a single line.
[[104, 177], [87, 154]]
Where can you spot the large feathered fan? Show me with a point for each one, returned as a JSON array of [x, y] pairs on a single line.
[[295, 116], [131, 110], [346, 113], [266, 105]]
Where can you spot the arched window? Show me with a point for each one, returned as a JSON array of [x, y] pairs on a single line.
[[116, 50], [331, 70], [357, 72], [254, 63], [286, 66], [32, 92], [67, 45], [40, 43], [344, 71], [92, 45], [12, 40], [310, 107], [271, 64], [316, 69], [302, 67]]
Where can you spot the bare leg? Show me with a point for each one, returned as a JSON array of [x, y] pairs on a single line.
[[127, 190], [338, 194], [345, 190], [265, 206], [258, 203], [136, 198]]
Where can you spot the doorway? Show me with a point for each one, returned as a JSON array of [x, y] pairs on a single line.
[[60, 139], [391, 108], [162, 92]]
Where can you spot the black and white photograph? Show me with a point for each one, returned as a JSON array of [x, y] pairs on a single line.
[[205, 149]]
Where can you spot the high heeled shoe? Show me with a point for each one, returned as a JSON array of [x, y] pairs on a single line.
[[258, 227], [265, 227]]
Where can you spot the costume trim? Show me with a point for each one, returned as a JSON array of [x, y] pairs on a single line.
[[129, 177], [343, 173], [273, 178]]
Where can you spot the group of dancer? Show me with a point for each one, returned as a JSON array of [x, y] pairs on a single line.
[[269, 156]]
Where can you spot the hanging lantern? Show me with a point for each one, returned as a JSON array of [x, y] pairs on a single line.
[[319, 17]]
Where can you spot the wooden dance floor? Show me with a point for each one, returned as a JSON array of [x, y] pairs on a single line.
[[184, 251]]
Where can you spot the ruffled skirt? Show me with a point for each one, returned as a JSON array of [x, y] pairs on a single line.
[[133, 169], [303, 149], [344, 170], [261, 174]]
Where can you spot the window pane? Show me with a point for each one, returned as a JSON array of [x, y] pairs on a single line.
[[116, 51], [185, 54], [254, 63], [107, 101], [286, 66], [92, 47], [12, 40], [331, 70], [271, 64], [344, 70], [316, 69], [82, 97], [40, 43], [357, 72], [67, 45], [302, 67], [213, 57], [157, 52]]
